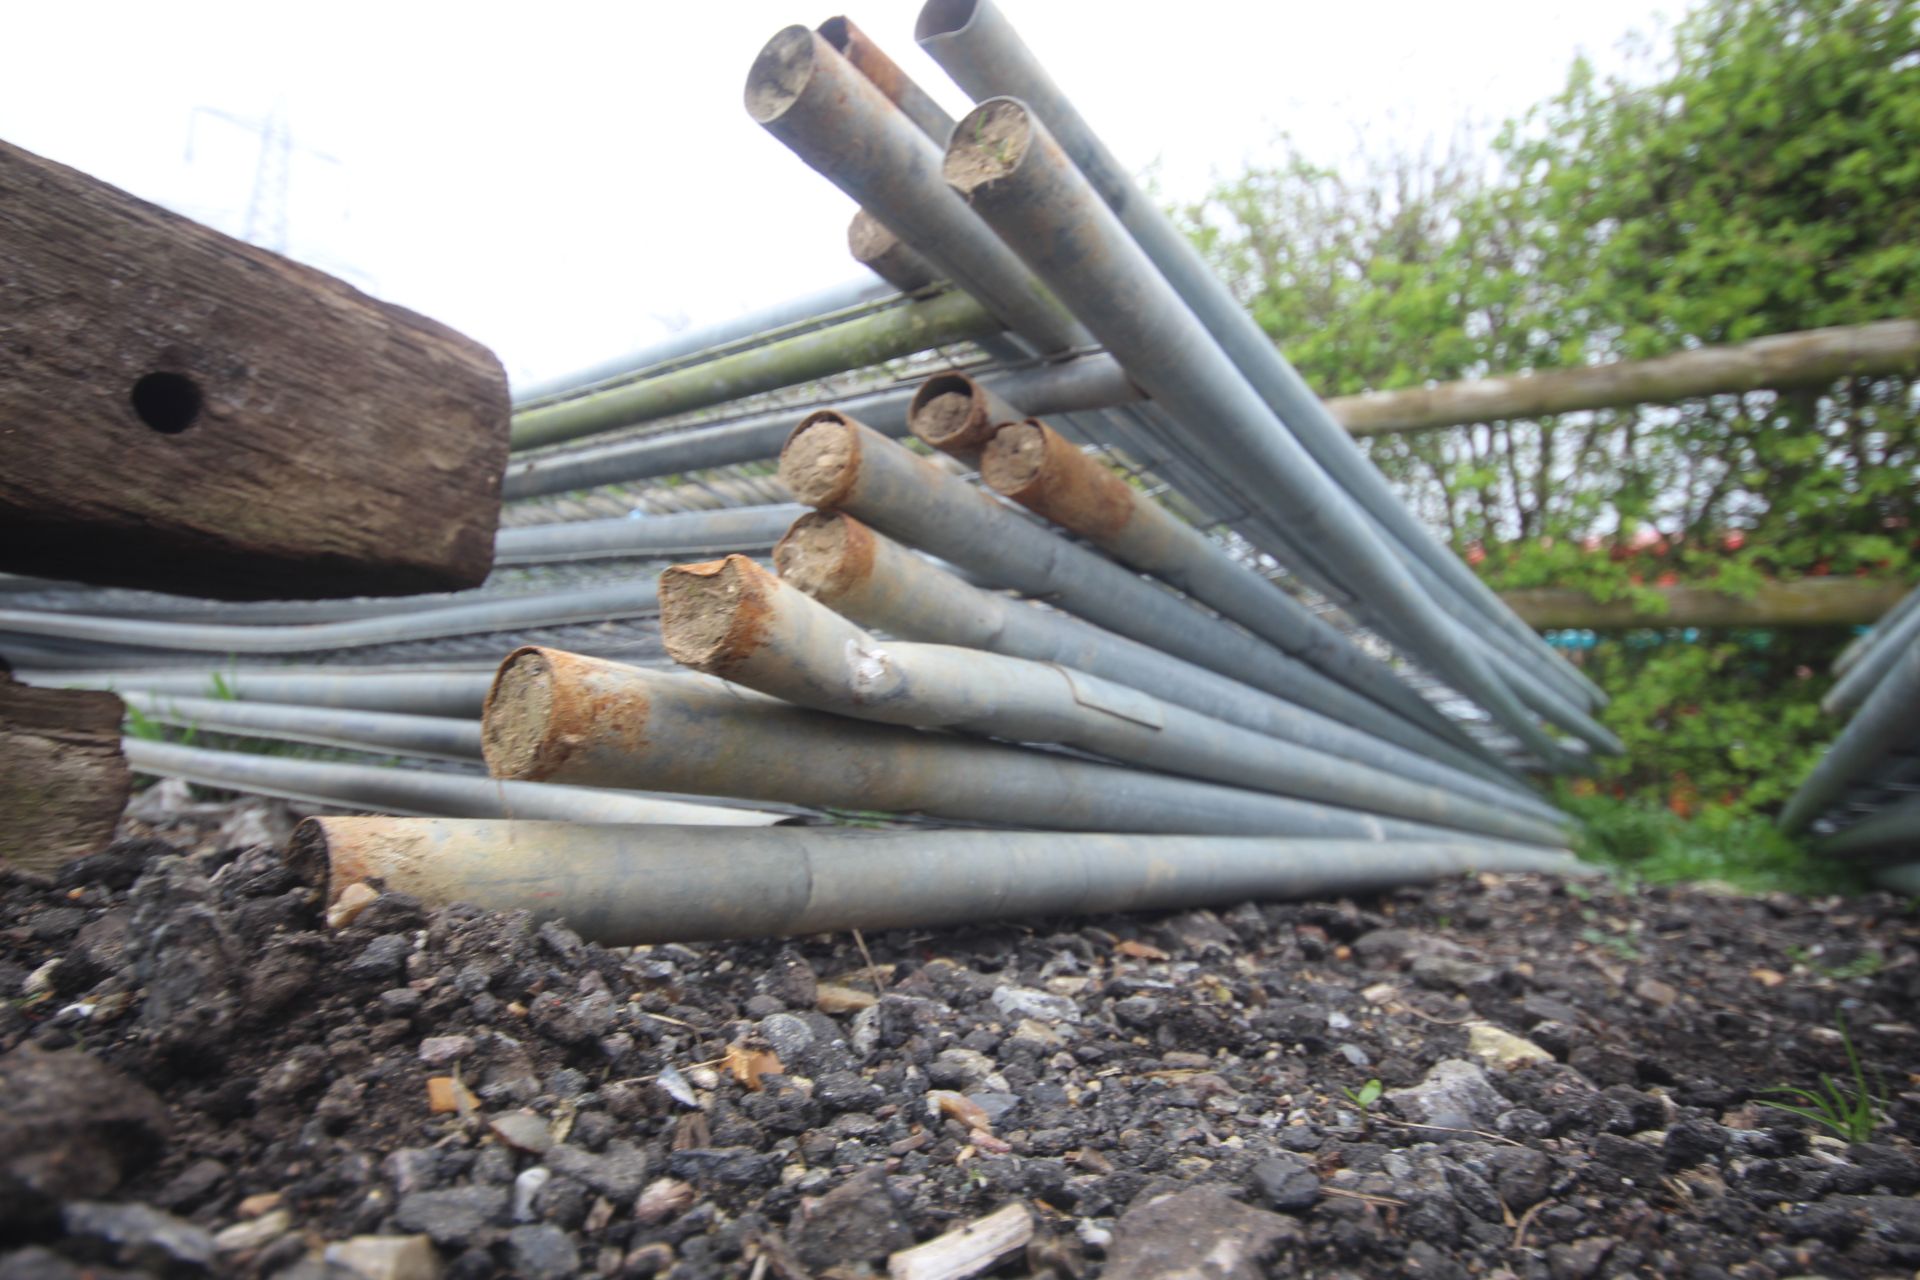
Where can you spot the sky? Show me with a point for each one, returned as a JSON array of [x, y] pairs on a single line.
[[567, 182]]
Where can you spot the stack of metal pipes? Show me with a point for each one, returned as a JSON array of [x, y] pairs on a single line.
[[1861, 801], [1142, 606]]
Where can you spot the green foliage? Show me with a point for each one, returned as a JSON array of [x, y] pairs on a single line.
[[1761, 179], [1366, 1095], [1644, 840], [1853, 1112]]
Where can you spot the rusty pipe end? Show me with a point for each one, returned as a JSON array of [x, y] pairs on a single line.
[[309, 858], [713, 615], [535, 713], [1044, 472], [988, 144], [821, 460], [826, 554], [950, 412], [781, 72]]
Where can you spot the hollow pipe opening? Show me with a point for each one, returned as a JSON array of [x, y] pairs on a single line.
[[821, 459], [988, 144], [825, 554], [713, 615], [780, 73], [942, 18]]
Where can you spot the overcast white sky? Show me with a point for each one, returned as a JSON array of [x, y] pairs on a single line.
[[568, 181]]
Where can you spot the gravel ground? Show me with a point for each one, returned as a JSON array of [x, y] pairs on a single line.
[[1503, 1076]]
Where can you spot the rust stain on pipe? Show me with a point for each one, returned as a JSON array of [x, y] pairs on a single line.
[[544, 705], [1044, 472], [713, 615], [820, 462], [871, 61]]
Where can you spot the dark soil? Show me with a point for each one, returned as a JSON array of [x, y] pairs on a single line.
[[212, 1080]]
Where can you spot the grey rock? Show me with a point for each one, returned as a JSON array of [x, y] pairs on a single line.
[[453, 1216], [789, 1035], [526, 1191], [542, 1252], [1287, 1183], [523, 1131], [996, 1104], [182, 953], [1454, 1095], [72, 1127], [1521, 1175], [857, 1222], [847, 1091], [741, 1166], [191, 1185], [617, 1173], [1024, 1002], [136, 1235], [1201, 1233], [412, 1169], [959, 1068], [382, 960], [1892, 1219], [1452, 973], [1578, 1260], [573, 1020], [380, 1258], [302, 1071], [438, 1051]]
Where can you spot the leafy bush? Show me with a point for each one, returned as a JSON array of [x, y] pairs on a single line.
[[1762, 179]]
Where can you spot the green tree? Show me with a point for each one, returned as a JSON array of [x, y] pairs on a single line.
[[1762, 179]]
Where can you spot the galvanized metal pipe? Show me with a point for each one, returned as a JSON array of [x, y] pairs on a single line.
[[731, 618], [1885, 719], [871, 61], [836, 463], [1873, 665], [879, 584], [555, 608], [833, 301], [1085, 382], [433, 737], [1892, 831], [456, 694], [683, 533], [900, 331], [1861, 644], [419, 791], [554, 716], [980, 49], [631, 886], [831, 116], [1035, 466], [887, 255], [1024, 186]]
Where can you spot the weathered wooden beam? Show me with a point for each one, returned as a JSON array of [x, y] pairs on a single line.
[[1812, 358], [63, 781], [185, 412], [1807, 602]]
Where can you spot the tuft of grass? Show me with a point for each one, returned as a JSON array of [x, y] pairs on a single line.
[[1366, 1095], [1646, 842], [1852, 1113]]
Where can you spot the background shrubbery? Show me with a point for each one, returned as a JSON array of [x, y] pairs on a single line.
[[1763, 178]]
